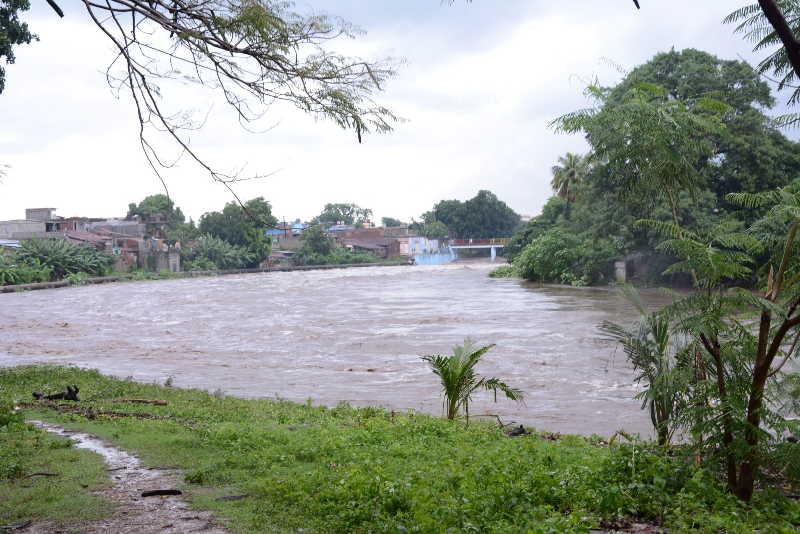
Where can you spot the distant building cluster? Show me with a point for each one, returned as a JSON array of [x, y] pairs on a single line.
[[389, 242], [137, 242]]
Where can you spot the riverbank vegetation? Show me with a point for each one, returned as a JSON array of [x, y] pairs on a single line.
[[669, 143], [46, 260], [348, 469]]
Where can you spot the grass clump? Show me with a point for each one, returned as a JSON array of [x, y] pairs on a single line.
[[365, 470]]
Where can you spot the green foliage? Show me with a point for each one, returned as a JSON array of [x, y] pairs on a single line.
[[12, 32], [390, 222], [756, 28], [345, 469], [211, 253], [460, 381], [319, 249], [432, 230], [482, 216], [242, 227], [63, 258], [742, 341], [686, 154], [504, 271], [562, 257], [63, 498], [662, 360], [568, 174], [14, 270], [334, 214], [650, 143]]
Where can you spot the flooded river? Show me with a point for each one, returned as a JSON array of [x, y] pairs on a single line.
[[354, 335]]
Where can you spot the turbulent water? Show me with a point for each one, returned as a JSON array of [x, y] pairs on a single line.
[[351, 335]]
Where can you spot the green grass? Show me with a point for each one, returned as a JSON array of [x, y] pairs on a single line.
[[64, 498], [342, 470]]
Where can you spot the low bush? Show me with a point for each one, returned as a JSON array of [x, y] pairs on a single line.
[[64, 258], [504, 271]]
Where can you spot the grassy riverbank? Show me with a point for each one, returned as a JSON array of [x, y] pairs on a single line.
[[314, 469]]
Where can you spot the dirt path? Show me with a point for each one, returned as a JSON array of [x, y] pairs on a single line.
[[135, 514]]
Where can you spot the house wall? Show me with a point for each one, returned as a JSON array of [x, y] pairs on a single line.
[[15, 229]]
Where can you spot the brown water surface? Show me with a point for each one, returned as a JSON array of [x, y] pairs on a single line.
[[343, 335]]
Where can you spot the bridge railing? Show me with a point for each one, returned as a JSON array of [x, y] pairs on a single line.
[[500, 241]]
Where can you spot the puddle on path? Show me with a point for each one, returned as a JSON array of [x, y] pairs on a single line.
[[134, 514]]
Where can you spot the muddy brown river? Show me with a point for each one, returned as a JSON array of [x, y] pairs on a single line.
[[352, 335]]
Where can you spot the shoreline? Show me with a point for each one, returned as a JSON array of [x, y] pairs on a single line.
[[189, 274]]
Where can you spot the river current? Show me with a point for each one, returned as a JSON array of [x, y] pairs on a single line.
[[352, 335]]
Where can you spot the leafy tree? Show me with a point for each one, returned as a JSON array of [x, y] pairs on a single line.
[[482, 216], [389, 222], [651, 144], [459, 380], [570, 172], [12, 32], [316, 241], [435, 230], [750, 154], [242, 226], [159, 205], [740, 356], [342, 214], [747, 153]]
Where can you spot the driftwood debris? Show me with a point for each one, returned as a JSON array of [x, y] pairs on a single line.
[[89, 413], [160, 492], [155, 402], [71, 394]]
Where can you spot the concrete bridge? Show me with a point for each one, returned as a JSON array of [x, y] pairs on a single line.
[[492, 243]]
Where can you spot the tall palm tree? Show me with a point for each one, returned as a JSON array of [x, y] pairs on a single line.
[[570, 172], [459, 380]]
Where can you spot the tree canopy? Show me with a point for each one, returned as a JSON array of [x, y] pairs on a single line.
[[343, 214], [482, 216], [391, 222], [700, 118], [242, 226]]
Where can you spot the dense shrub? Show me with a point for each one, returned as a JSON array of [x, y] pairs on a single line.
[[15, 271], [64, 258], [561, 257], [212, 253]]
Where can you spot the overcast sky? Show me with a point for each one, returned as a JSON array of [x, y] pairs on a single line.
[[479, 85]]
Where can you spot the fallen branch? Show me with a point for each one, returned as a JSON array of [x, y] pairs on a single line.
[[89, 413]]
